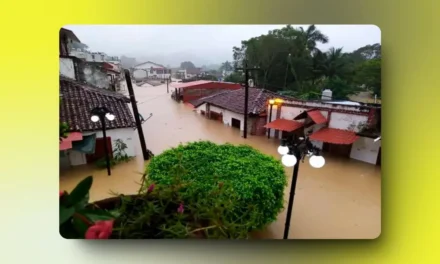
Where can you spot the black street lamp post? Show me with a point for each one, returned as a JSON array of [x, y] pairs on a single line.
[[293, 151], [100, 114]]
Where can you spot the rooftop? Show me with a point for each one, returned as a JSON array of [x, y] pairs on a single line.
[[190, 84], [233, 100], [69, 33], [78, 100], [159, 65]]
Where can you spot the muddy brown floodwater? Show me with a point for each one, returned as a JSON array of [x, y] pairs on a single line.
[[342, 200]]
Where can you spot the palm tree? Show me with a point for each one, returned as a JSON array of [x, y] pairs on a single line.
[[335, 64], [226, 66], [311, 36]]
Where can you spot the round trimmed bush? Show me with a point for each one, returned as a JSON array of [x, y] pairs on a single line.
[[255, 179]]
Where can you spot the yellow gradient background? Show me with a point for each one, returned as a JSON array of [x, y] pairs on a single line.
[[29, 130]]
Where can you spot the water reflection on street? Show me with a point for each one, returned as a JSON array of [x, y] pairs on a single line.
[[340, 200]]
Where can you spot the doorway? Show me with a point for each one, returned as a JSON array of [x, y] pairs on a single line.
[[235, 123], [100, 151]]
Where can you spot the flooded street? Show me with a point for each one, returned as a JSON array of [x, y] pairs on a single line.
[[341, 200]]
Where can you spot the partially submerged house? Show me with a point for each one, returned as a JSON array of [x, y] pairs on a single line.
[[150, 70], [85, 143], [189, 73], [345, 129], [342, 128], [79, 96], [190, 91], [228, 107]]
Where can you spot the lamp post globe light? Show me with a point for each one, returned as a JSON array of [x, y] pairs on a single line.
[[293, 150], [273, 102], [100, 114]]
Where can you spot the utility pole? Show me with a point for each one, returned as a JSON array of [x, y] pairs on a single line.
[[246, 94], [168, 91], [136, 115]]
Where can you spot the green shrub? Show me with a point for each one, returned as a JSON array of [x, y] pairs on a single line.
[[257, 179]]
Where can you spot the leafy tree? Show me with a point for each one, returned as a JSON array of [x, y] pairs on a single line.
[[290, 62], [340, 88], [369, 75], [311, 37], [226, 66], [235, 77], [187, 65], [335, 63]]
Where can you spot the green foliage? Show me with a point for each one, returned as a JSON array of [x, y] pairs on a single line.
[[154, 212], [64, 129], [235, 77], [369, 74], [290, 60], [75, 214], [187, 65], [341, 88], [119, 155], [227, 66], [258, 180]]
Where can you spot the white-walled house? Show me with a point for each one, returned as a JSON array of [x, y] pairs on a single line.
[[77, 101], [338, 128], [150, 70], [93, 56], [227, 107], [334, 127], [75, 158], [79, 96]]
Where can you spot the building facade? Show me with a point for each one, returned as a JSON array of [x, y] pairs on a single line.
[[80, 91], [334, 127], [228, 107], [151, 70], [191, 91], [338, 128], [87, 143]]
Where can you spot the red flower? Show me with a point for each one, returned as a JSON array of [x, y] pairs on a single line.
[[61, 193], [180, 209], [100, 230], [151, 188]]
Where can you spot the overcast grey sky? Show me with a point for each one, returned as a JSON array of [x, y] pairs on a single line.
[[202, 44]]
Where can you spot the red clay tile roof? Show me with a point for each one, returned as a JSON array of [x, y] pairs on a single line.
[[334, 136], [190, 84], [79, 99], [233, 100], [284, 125], [200, 101], [317, 117]]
